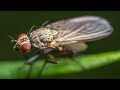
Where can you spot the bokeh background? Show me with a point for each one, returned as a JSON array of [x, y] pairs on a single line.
[[15, 22]]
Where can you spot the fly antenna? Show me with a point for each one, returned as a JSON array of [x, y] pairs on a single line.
[[13, 40], [11, 37]]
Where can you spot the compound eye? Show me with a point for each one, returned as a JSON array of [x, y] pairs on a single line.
[[25, 47]]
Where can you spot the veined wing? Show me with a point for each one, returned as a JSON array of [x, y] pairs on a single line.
[[81, 29]]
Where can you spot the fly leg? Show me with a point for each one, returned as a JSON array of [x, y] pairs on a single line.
[[33, 58], [30, 62], [49, 58], [72, 55], [75, 55], [43, 67]]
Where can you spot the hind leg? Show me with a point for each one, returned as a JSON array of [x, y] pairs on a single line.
[[72, 56]]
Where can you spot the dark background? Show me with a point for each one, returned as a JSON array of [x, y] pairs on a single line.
[[15, 22]]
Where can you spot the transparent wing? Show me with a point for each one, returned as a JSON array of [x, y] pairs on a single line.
[[81, 29]]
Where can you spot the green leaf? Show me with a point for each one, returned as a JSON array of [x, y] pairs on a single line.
[[15, 69]]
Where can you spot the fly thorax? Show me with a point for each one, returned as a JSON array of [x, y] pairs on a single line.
[[47, 35], [40, 37]]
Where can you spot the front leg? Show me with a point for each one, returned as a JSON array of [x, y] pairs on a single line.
[[29, 62], [33, 58]]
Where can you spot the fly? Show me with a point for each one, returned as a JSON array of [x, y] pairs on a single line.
[[66, 36]]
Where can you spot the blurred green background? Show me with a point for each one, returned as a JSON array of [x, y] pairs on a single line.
[[15, 22]]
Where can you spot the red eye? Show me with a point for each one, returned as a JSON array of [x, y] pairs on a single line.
[[25, 47], [21, 35]]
